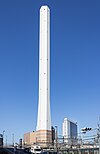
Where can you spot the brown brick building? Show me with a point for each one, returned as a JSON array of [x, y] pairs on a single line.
[[42, 137]]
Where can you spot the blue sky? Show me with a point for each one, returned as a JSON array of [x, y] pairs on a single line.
[[75, 63]]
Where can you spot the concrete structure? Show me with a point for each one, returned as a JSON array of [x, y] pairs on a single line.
[[30, 138], [44, 117], [43, 134], [69, 131], [34, 138]]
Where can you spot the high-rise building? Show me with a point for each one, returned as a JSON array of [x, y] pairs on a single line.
[[69, 131], [44, 117]]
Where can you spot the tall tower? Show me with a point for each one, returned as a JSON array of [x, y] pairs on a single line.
[[44, 117]]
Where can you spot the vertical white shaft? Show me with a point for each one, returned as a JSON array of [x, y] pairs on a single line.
[[44, 117]]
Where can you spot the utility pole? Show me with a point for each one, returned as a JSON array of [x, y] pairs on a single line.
[[3, 136], [63, 140], [6, 140], [98, 134], [99, 141], [36, 140], [56, 138], [13, 140]]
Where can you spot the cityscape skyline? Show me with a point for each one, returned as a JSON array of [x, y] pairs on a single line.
[[75, 54]]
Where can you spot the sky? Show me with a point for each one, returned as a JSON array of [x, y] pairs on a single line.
[[75, 64]]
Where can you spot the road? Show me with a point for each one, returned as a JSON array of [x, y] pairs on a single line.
[[13, 151]]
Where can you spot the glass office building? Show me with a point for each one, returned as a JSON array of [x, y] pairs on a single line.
[[69, 131]]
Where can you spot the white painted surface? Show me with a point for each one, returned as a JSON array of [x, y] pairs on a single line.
[[44, 117], [66, 129], [35, 149]]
